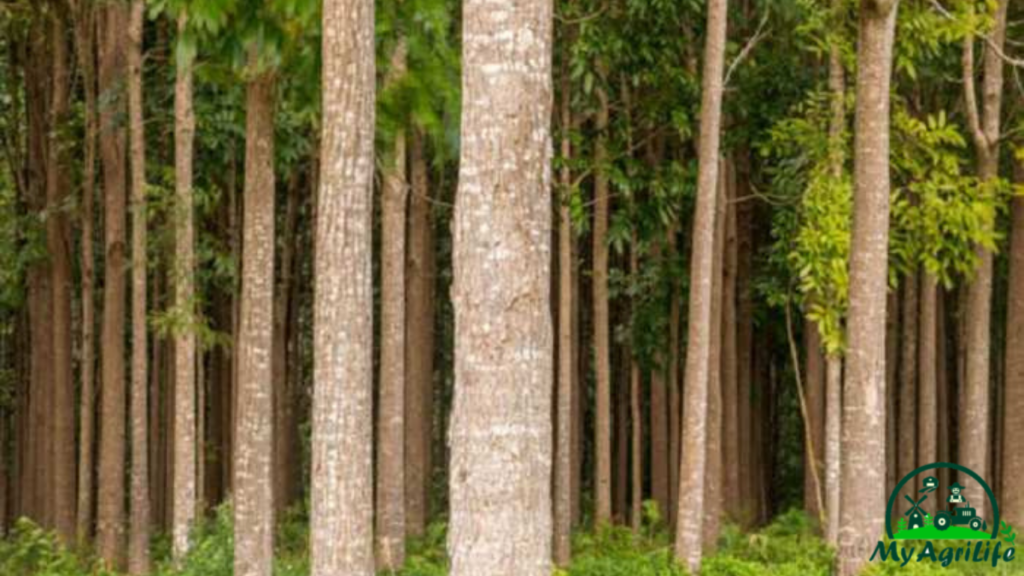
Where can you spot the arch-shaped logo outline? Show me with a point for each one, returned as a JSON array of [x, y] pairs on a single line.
[[932, 466]]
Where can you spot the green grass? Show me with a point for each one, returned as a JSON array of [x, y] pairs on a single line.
[[933, 533]]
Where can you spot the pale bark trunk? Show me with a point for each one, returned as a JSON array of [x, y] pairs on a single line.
[[391, 426], [183, 277], [602, 344], [833, 444], [138, 539], [688, 541], [85, 28], [713, 471], [1012, 501], [501, 433], [254, 495], [565, 400], [906, 424], [58, 239], [111, 507], [419, 352], [927, 386], [341, 531], [863, 423]]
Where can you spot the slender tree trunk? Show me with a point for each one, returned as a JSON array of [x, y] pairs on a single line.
[[730, 384], [341, 531], [112, 72], [688, 542], [985, 128], [906, 425], [501, 433], [565, 400], [391, 427], [927, 388], [285, 445], [254, 498], [138, 540], [635, 414], [863, 424], [58, 239], [1012, 501], [833, 444], [675, 406], [745, 335], [715, 462], [814, 371], [185, 439], [85, 30], [419, 352], [602, 351], [892, 358]]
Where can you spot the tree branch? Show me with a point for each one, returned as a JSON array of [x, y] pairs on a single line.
[[759, 34]]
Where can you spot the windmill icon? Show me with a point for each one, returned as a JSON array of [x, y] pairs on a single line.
[[915, 514]]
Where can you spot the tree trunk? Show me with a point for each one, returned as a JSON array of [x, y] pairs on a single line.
[[112, 72], [863, 423], [892, 358], [688, 544], [341, 531], [730, 384], [565, 400], [745, 332], [713, 471], [635, 414], [501, 436], [390, 492], [138, 540], [927, 386], [254, 497], [814, 371], [419, 352], [602, 344], [1012, 501], [906, 425], [58, 241], [284, 436], [833, 446], [85, 29], [185, 440]]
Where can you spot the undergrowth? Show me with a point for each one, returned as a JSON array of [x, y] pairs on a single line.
[[788, 546]]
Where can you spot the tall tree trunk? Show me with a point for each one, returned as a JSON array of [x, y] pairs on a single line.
[[675, 410], [833, 444], [985, 129], [745, 331], [602, 344], [1012, 501], [391, 427], [713, 472], [564, 395], [341, 531], [863, 424], [254, 497], [85, 32], [501, 433], [58, 240], [284, 436], [906, 425], [185, 440], [635, 412], [112, 73], [419, 351], [927, 385], [688, 542], [892, 363], [730, 384], [814, 375], [138, 540]]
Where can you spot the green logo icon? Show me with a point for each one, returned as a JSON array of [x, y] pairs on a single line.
[[954, 517]]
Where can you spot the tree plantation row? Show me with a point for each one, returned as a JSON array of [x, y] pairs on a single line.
[[350, 273]]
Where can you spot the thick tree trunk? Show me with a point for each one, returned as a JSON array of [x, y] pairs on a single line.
[[254, 497], [341, 531], [713, 472], [863, 424], [1012, 501], [688, 541], [85, 29], [185, 439], [112, 72], [501, 433], [138, 540], [58, 242], [602, 344], [814, 378], [927, 385], [906, 425], [419, 351], [390, 492]]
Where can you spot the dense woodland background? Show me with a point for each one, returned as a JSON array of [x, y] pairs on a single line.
[[497, 286]]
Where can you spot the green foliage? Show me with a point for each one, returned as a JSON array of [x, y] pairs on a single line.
[[31, 551]]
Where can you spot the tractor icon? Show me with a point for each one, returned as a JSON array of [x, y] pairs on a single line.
[[964, 515]]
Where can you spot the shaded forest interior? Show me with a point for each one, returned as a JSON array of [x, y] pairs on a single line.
[[488, 287]]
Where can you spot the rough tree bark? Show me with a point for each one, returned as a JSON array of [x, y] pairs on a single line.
[[927, 383], [730, 383], [419, 352], [814, 376], [139, 527], [715, 463], [254, 494], [688, 541], [906, 424], [110, 540], [1012, 501], [501, 432], [602, 343], [341, 531], [864, 399], [635, 413], [564, 401]]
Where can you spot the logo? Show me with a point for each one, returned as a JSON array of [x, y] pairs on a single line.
[[932, 515]]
